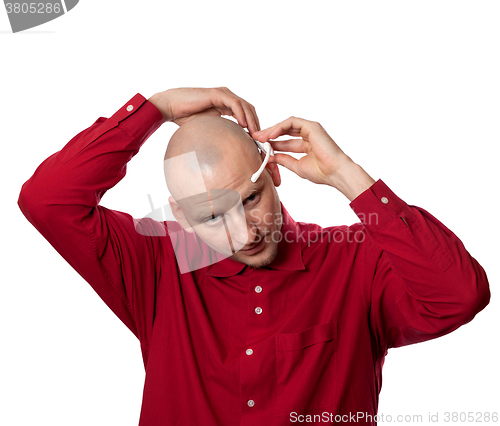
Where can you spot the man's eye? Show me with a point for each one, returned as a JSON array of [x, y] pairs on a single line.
[[252, 197], [212, 220]]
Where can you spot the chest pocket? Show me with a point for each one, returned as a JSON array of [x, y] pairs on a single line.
[[306, 369]]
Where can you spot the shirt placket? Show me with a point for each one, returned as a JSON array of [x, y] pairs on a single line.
[[256, 360]]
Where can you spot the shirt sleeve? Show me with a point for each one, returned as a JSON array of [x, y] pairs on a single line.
[[118, 255], [423, 282]]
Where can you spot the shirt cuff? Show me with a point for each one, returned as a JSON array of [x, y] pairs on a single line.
[[139, 116], [377, 206]]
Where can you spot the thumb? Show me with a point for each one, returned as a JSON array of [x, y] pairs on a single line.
[[285, 160]]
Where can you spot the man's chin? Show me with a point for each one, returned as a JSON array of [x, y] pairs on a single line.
[[257, 260]]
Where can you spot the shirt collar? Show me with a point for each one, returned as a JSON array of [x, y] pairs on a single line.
[[288, 258]]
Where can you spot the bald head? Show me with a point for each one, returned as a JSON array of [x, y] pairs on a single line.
[[209, 164], [209, 136], [225, 153]]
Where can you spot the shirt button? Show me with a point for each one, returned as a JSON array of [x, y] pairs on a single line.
[[250, 402], [258, 310], [249, 351], [258, 289], [130, 108], [384, 200]]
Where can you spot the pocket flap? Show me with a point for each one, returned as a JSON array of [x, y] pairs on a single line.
[[310, 336]]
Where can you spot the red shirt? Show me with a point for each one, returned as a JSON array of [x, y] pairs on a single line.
[[331, 304]]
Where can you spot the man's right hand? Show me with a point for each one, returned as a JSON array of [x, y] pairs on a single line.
[[178, 105]]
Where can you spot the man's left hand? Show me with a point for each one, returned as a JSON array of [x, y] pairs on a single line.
[[324, 162]]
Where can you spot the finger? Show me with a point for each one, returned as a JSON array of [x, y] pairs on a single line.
[[225, 89], [224, 98], [254, 113], [291, 145], [292, 126], [250, 118], [237, 111], [287, 161], [225, 111], [236, 105]]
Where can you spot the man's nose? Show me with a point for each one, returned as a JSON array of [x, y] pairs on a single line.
[[242, 232]]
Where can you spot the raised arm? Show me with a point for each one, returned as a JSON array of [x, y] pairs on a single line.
[[421, 281], [62, 199]]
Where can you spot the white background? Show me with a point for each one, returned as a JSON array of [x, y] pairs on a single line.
[[409, 90]]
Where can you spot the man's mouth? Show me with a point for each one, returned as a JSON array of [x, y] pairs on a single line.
[[255, 249]]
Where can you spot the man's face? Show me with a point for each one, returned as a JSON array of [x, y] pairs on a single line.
[[263, 220], [235, 216]]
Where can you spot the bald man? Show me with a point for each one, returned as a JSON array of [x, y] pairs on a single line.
[[225, 159], [244, 316]]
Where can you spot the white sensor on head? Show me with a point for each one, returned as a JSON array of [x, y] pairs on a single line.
[[268, 149]]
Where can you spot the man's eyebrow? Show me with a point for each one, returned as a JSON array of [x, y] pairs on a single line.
[[256, 187], [205, 210]]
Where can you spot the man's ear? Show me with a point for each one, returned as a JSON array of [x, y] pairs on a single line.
[[275, 173], [179, 215], [273, 170]]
